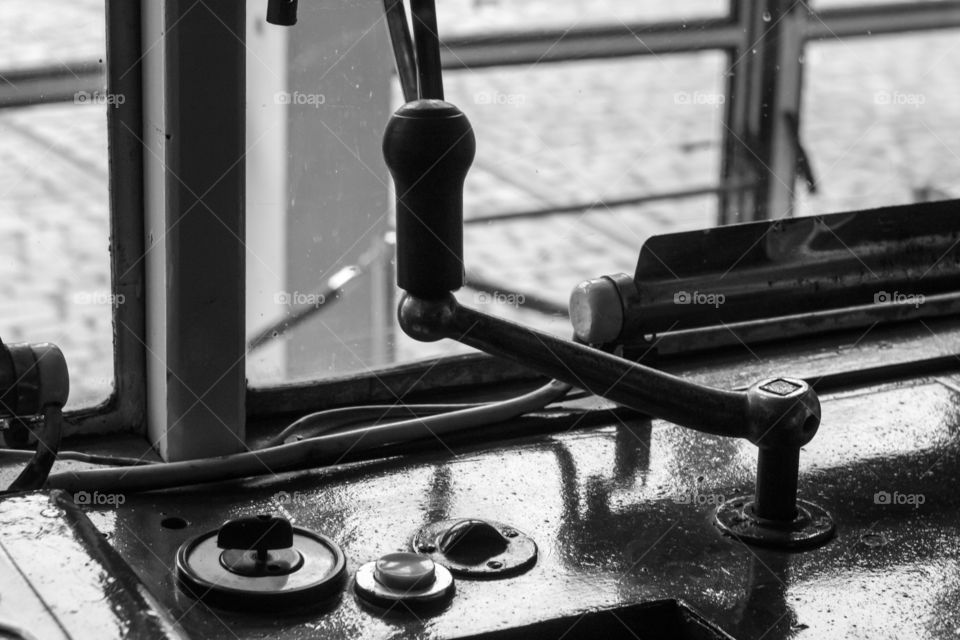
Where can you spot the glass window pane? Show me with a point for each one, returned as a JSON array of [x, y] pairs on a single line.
[[468, 17], [582, 135], [561, 134], [831, 4], [880, 122], [54, 208]]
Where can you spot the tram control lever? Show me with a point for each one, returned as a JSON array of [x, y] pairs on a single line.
[[429, 146]]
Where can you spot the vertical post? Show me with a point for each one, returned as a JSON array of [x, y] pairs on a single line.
[[194, 90], [776, 491], [764, 91]]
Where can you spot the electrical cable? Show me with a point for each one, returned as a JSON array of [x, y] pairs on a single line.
[[14, 631], [312, 453], [77, 456], [322, 422], [35, 473]]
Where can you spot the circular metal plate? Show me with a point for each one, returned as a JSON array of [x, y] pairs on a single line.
[[201, 573], [519, 556], [246, 563], [812, 526], [372, 591]]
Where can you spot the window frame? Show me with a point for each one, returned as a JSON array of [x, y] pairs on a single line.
[[125, 408], [740, 178]]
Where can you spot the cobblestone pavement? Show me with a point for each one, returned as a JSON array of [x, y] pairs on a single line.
[[881, 124]]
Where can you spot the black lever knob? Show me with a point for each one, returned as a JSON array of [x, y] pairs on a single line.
[[472, 541], [429, 146], [261, 533], [282, 12]]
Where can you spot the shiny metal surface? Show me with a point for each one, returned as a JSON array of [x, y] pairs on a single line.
[[388, 594], [892, 257], [622, 515], [59, 579], [314, 577], [471, 547]]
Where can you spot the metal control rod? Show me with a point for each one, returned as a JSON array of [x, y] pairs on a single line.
[[780, 412], [429, 146]]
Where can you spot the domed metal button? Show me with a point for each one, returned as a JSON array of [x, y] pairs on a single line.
[[411, 578], [407, 571]]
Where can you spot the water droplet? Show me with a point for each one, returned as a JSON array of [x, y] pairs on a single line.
[[873, 540]]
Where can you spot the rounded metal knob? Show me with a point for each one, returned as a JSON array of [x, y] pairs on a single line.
[[405, 571], [429, 146], [596, 311]]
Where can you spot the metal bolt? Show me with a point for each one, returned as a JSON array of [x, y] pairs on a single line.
[[495, 564]]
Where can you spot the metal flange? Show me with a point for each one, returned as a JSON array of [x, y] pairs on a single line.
[[476, 548], [412, 579], [811, 527], [310, 573]]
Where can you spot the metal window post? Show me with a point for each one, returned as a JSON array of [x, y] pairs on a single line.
[[765, 79], [194, 105]]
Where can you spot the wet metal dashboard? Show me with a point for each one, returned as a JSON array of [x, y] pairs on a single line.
[[621, 509]]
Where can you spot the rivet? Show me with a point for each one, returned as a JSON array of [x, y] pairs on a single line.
[[495, 564]]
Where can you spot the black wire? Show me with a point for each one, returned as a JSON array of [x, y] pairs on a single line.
[[35, 474]]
